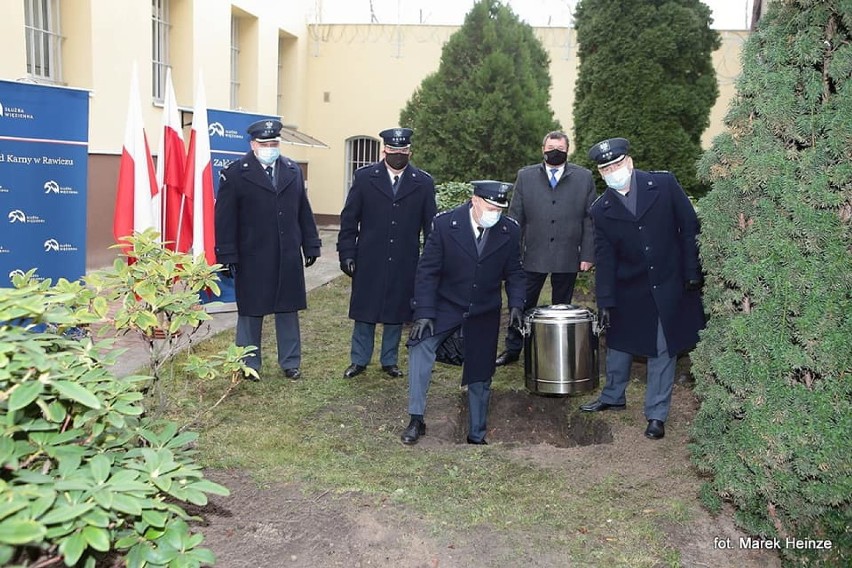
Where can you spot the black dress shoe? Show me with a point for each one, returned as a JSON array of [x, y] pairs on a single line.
[[412, 433], [353, 370], [656, 429], [598, 406], [293, 373], [507, 357], [392, 371], [482, 442]]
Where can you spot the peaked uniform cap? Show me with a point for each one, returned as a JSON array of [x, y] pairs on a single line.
[[609, 151], [397, 137], [265, 130]]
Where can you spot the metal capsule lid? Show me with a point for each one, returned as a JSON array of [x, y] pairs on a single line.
[[561, 312]]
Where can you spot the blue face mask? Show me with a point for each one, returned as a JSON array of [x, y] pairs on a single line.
[[267, 156], [619, 178]]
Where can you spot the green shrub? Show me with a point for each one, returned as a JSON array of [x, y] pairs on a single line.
[[774, 366], [452, 194], [82, 472]]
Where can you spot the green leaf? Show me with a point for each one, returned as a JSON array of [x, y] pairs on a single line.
[[61, 514], [127, 504], [8, 508], [97, 538], [154, 518], [21, 532], [204, 556], [100, 467], [7, 449], [77, 393], [72, 548], [210, 487], [24, 394]]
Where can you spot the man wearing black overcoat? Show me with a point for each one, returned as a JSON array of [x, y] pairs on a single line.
[[265, 228], [471, 251], [648, 278], [389, 205]]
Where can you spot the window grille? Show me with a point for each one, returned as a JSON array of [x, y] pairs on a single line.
[[360, 151], [235, 62], [159, 47], [41, 29]]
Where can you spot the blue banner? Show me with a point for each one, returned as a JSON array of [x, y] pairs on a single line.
[[43, 175], [228, 141]]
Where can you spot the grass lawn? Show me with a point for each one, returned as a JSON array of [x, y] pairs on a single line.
[[591, 506]]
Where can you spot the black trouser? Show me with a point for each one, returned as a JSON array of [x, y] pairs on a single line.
[[562, 284]]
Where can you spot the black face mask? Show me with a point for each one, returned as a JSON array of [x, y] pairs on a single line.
[[555, 157], [397, 161]]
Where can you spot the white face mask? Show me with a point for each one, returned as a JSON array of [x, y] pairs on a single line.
[[267, 156], [489, 218], [618, 179]]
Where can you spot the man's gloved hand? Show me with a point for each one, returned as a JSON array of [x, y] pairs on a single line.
[[603, 318], [515, 318], [309, 260], [693, 284], [347, 265], [418, 327], [229, 270]]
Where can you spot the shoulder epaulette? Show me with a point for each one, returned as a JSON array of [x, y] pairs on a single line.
[[424, 172], [512, 219], [659, 172], [440, 213]]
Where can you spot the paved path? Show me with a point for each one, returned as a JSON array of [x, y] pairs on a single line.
[[326, 268]]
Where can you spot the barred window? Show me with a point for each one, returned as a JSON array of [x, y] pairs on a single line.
[[41, 28], [235, 62], [159, 47], [360, 151]]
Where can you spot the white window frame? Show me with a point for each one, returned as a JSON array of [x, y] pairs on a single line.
[[360, 151], [160, 57], [43, 40], [235, 62]]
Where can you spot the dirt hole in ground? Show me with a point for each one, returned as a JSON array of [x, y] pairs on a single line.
[[525, 418]]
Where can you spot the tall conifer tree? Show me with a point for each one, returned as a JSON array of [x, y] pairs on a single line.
[[774, 366], [486, 109], [646, 73]]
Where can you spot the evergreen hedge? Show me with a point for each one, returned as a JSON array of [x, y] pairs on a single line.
[[774, 366]]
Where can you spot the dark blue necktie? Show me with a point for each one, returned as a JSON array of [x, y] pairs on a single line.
[[395, 184]]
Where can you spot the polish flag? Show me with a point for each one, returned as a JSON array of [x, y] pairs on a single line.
[[199, 180], [137, 201], [177, 217]]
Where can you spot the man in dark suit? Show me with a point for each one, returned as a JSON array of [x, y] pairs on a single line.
[[390, 203], [470, 252], [264, 226], [551, 201], [648, 279]]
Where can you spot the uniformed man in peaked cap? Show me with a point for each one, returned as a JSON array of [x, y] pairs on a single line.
[[389, 205], [647, 281], [470, 252], [265, 234]]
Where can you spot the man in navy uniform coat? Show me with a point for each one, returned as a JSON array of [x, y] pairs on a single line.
[[264, 228], [648, 278], [470, 252], [390, 203]]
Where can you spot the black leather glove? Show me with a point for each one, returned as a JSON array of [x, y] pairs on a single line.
[[229, 270], [309, 260], [418, 327], [693, 284], [347, 265], [515, 318], [603, 318]]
